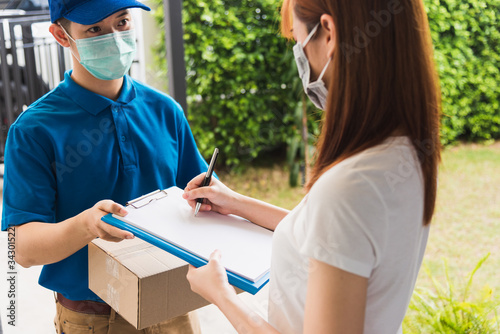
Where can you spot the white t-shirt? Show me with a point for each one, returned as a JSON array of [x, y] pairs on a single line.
[[364, 216]]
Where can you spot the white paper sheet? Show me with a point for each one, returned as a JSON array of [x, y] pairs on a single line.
[[245, 247]]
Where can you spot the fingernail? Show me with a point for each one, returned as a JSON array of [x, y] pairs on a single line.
[[123, 211], [129, 237]]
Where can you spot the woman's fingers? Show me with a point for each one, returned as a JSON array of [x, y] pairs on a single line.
[[217, 197], [215, 256], [210, 281], [196, 182], [203, 192]]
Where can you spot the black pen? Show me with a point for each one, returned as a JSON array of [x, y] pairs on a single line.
[[208, 178]]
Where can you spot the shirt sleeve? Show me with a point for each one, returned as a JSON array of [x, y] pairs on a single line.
[[346, 223], [191, 162], [29, 183]]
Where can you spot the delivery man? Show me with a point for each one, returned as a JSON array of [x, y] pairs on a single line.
[[98, 139]]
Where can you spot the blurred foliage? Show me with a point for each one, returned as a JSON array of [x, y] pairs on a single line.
[[453, 309], [244, 92], [466, 37], [242, 88]]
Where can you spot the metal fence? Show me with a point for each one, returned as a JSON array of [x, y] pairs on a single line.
[[31, 64]]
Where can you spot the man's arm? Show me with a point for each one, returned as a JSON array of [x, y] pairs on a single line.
[[44, 243]]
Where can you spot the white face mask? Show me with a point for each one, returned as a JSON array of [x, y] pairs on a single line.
[[316, 91]]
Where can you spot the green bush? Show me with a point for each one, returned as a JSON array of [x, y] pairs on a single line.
[[466, 39], [446, 309], [243, 88], [240, 82]]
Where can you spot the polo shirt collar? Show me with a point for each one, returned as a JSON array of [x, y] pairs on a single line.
[[92, 102]]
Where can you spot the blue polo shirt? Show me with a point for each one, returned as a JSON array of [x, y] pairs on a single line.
[[73, 148]]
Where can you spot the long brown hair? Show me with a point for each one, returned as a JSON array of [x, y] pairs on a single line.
[[383, 81]]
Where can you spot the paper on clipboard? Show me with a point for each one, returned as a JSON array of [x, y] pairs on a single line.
[[245, 247]]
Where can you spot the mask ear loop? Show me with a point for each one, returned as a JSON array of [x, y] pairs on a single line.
[[324, 69], [311, 34], [71, 38]]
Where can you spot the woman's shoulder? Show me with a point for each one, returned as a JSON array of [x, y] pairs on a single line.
[[370, 173]]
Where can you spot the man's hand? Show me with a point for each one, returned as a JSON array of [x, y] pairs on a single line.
[[99, 229]]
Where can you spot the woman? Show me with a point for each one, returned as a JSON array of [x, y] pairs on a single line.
[[346, 259]]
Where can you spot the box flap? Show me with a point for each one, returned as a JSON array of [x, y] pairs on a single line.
[[140, 257], [122, 247]]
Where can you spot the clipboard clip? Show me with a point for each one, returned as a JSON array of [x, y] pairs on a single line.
[[148, 198]]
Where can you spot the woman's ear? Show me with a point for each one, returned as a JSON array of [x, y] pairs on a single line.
[[328, 26], [59, 35]]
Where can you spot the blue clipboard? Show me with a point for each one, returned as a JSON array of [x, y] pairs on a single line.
[[235, 280]]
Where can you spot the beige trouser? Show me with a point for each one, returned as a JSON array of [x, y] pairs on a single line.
[[70, 322]]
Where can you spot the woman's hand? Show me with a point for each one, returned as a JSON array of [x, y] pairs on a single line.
[[217, 197], [221, 199], [210, 281]]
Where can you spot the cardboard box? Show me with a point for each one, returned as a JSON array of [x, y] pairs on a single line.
[[141, 282]]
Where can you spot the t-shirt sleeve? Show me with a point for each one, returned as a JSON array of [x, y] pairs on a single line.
[[346, 223], [29, 184], [191, 162]]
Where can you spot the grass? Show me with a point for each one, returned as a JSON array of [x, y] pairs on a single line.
[[269, 184], [466, 225], [267, 180], [467, 217], [449, 308]]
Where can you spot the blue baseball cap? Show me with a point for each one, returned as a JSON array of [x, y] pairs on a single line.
[[89, 11]]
